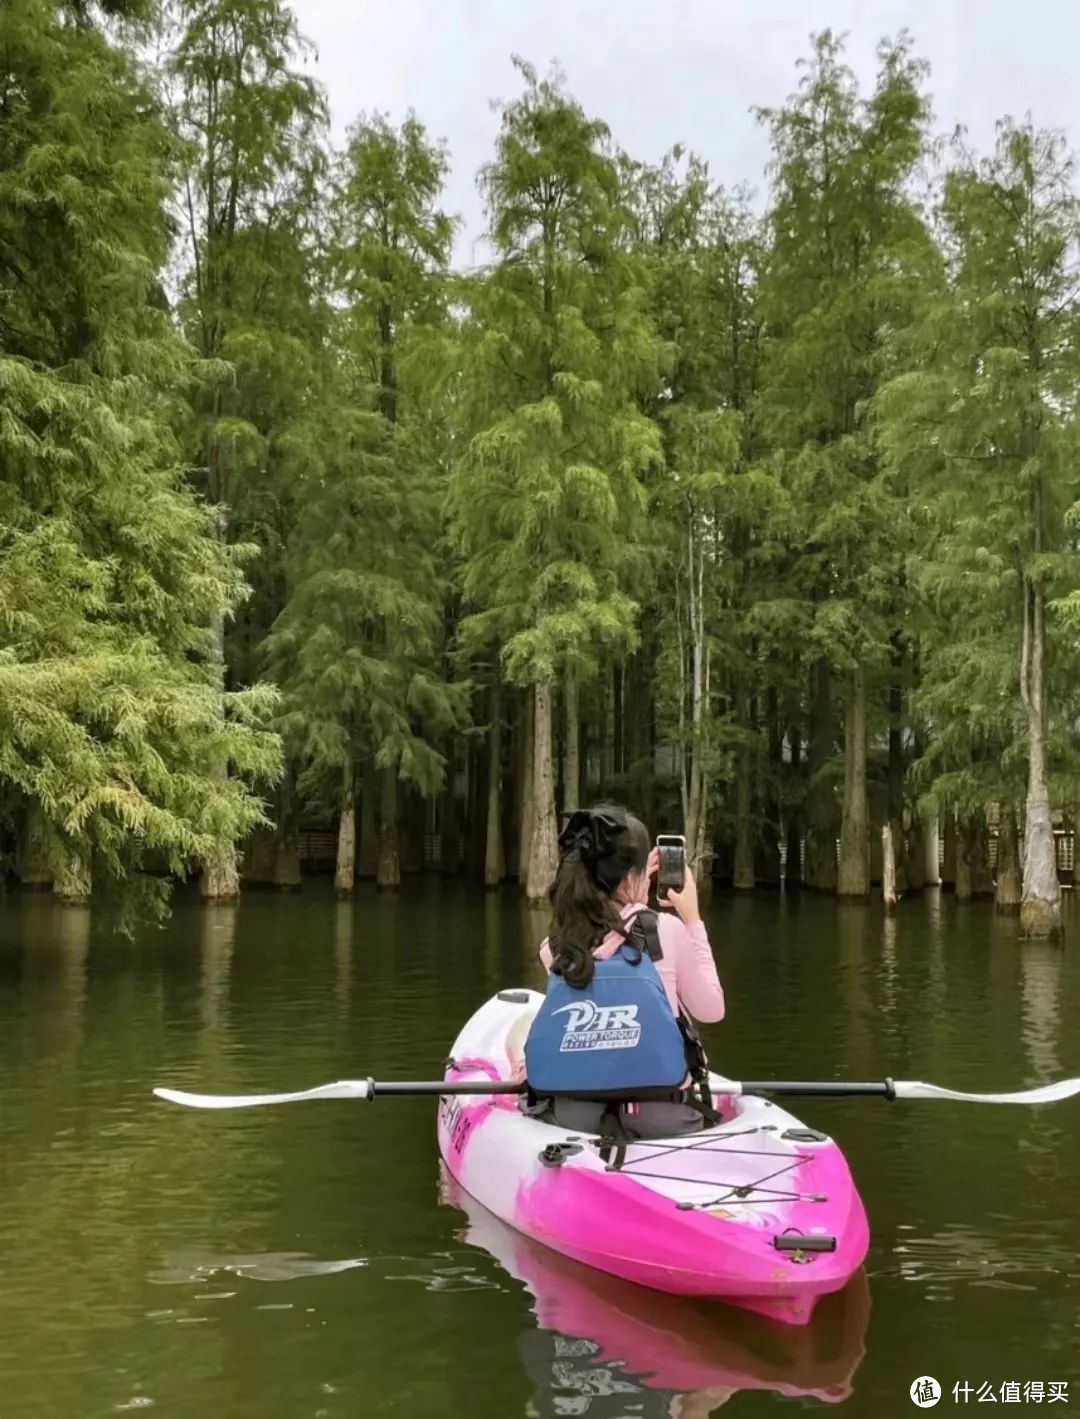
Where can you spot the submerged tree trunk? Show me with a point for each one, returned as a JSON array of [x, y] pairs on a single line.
[[494, 860], [543, 857], [820, 870], [287, 853], [571, 745], [260, 858], [915, 854], [964, 842], [1009, 886], [743, 879], [889, 894], [345, 867], [948, 850], [767, 866], [1040, 905], [528, 787], [982, 878], [853, 878], [792, 825], [388, 870]]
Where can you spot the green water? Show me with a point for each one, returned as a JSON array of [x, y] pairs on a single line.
[[303, 1263]]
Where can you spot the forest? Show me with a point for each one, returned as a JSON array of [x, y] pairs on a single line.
[[757, 514]]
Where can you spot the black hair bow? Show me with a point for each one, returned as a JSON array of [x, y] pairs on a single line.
[[592, 835]]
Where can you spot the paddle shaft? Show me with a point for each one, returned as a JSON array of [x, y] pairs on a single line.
[[806, 1088]]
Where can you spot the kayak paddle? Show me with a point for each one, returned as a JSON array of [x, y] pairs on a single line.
[[887, 1089]]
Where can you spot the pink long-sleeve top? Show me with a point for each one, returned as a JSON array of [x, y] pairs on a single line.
[[687, 968]]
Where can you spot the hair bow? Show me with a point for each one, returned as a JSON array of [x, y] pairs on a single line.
[[593, 835]]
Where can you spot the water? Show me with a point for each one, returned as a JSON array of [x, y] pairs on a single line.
[[307, 1262]]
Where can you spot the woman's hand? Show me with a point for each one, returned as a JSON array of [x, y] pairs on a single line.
[[652, 867], [684, 903]]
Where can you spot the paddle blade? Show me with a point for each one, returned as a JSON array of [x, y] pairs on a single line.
[[1047, 1094], [342, 1089]]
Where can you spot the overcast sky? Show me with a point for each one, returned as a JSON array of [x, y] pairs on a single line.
[[686, 71]]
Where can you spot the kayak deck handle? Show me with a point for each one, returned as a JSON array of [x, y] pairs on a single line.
[[803, 1242]]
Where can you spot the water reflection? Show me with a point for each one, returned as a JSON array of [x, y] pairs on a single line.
[[601, 1340], [1040, 974], [218, 940], [343, 955], [181, 1268], [56, 945]]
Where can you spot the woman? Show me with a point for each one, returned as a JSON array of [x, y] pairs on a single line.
[[601, 887]]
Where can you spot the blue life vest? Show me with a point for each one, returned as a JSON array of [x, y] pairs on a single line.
[[615, 1038]]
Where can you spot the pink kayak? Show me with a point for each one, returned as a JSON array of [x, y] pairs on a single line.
[[759, 1210], [616, 1335]]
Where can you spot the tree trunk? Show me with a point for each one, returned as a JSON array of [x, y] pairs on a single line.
[[1009, 886], [287, 863], [895, 805], [220, 880], [388, 871], [1040, 905], [494, 860], [767, 867], [618, 725], [964, 843], [260, 858], [982, 878], [528, 787], [853, 879], [695, 784], [571, 745], [820, 871], [368, 856], [32, 851], [915, 853], [543, 857], [449, 825], [888, 868], [345, 868], [948, 855], [792, 824], [287, 854], [743, 880]]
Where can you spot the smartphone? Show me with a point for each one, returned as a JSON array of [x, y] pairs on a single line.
[[672, 870]]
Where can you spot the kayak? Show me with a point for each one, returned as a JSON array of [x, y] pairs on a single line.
[[759, 1210], [606, 1337]]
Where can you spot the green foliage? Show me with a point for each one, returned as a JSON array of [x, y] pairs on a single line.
[[547, 498], [110, 722], [356, 647], [848, 257], [982, 429]]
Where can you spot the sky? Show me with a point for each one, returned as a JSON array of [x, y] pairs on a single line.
[[685, 71]]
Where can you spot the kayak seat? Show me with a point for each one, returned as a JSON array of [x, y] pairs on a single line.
[[651, 1119]]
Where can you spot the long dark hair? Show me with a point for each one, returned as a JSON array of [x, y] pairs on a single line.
[[599, 846]]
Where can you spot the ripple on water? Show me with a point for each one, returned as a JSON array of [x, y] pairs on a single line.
[[182, 1268], [958, 1257]]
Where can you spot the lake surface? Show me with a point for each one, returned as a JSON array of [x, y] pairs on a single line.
[[309, 1262]]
